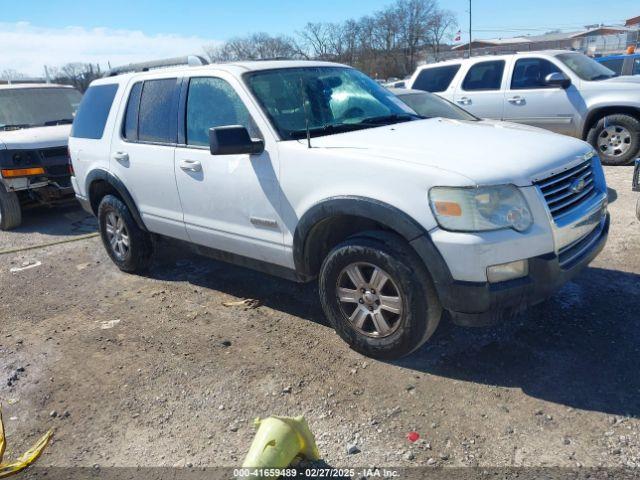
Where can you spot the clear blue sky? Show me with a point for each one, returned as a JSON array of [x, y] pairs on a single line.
[[222, 20]]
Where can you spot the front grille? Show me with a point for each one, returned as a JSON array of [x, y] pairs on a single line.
[[559, 192], [574, 252], [58, 170]]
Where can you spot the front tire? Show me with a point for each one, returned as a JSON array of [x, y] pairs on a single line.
[[128, 245], [378, 295], [10, 210], [616, 138]]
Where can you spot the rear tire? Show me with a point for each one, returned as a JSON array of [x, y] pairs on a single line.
[[616, 138], [381, 318], [128, 245], [10, 210]]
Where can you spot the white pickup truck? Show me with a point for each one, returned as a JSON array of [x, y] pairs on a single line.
[[311, 170], [566, 92]]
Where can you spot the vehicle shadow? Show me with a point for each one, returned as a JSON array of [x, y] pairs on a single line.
[[581, 348], [59, 221], [612, 195]]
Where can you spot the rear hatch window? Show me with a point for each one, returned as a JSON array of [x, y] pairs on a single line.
[[93, 112]]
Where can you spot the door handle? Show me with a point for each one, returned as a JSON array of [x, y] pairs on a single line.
[[190, 165], [517, 100], [464, 101], [121, 157]]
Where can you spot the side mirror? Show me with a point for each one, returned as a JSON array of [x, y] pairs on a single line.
[[233, 140], [557, 79]]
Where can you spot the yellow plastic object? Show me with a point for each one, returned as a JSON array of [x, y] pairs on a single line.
[[30, 456], [279, 441]]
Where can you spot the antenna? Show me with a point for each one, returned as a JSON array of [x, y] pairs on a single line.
[[306, 113]]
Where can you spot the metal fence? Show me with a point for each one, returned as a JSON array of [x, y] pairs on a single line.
[[595, 46]]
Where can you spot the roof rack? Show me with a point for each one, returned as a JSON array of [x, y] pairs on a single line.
[[191, 60]]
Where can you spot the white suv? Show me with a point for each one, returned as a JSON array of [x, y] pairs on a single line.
[[566, 92], [311, 170]]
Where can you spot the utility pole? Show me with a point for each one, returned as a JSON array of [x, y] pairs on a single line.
[[470, 38]]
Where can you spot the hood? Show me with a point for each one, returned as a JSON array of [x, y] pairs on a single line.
[[487, 152], [37, 137], [625, 82]]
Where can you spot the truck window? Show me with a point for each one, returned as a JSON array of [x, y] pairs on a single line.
[[130, 126], [93, 112], [636, 66], [158, 111], [484, 76], [531, 72], [212, 102], [614, 64], [436, 79]]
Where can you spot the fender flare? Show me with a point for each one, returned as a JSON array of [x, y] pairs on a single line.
[[117, 184], [383, 213]]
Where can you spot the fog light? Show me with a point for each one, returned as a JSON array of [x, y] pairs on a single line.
[[507, 271]]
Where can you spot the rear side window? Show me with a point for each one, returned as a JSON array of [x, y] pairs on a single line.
[[130, 127], [93, 112], [158, 111], [484, 76], [436, 79], [615, 64], [531, 72]]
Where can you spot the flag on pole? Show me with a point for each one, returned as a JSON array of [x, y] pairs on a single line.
[[458, 36]]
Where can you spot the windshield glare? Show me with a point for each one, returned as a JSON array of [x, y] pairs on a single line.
[[429, 106], [584, 67], [331, 99], [32, 107]]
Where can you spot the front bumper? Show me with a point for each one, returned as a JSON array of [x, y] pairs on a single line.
[[482, 303]]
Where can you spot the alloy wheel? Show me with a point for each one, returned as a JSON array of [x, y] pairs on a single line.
[[614, 141], [117, 235], [370, 299]]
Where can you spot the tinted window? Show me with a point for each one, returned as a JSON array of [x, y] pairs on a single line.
[[614, 64], [130, 128], [436, 79], [484, 76], [430, 106], [93, 112], [212, 102], [531, 72], [636, 66], [157, 122]]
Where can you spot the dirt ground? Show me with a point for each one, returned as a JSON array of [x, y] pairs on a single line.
[[156, 371]]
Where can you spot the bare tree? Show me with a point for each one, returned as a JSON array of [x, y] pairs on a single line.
[[80, 75], [441, 26], [11, 74], [259, 46]]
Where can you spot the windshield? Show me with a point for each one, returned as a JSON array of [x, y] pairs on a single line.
[[586, 68], [35, 107], [329, 99], [428, 105]]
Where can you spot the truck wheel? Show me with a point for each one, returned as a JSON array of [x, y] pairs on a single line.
[[378, 295], [616, 138], [10, 211], [129, 247]]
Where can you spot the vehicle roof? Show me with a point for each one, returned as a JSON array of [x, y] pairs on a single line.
[[237, 68], [616, 57], [455, 61], [15, 86]]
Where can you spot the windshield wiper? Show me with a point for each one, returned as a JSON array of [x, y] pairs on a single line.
[[16, 126], [388, 119], [328, 129], [602, 77], [62, 121]]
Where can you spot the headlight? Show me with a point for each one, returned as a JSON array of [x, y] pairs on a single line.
[[480, 209]]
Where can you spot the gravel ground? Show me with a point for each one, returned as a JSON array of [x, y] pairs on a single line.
[[156, 371]]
